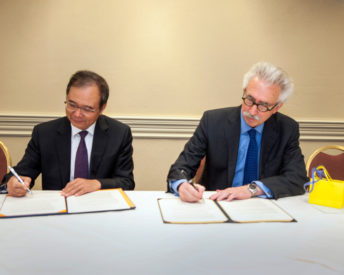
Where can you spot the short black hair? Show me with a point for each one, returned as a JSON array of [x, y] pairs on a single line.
[[86, 78]]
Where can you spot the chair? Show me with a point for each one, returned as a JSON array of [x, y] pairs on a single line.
[[332, 160], [199, 171], [5, 160]]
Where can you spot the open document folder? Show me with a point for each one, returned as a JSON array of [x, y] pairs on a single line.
[[173, 210], [52, 203]]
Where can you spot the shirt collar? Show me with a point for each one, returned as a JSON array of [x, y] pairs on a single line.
[[245, 127], [90, 130]]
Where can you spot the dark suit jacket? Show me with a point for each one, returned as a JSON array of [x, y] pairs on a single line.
[[49, 153], [281, 165]]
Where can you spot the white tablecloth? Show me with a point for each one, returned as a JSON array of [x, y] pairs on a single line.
[[138, 242]]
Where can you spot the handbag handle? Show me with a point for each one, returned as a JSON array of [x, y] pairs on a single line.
[[318, 173]]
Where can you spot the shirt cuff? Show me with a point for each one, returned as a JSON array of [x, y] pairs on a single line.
[[267, 192], [174, 184], [3, 188]]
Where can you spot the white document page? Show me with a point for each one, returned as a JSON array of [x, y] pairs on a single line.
[[174, 210], [102, 200], [2, 199], [39, 202], [254, 210]]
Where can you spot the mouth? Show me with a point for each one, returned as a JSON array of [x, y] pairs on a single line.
[[76, 120]]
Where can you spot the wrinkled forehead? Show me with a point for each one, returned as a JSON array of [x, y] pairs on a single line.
[[262, 91]]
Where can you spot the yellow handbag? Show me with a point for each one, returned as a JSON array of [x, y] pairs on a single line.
[[324, 190]]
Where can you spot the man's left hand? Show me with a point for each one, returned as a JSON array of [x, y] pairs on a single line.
[[78, 187], [234, 193]]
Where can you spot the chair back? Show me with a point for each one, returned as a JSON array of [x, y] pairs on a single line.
[[5, 160], [331, 157], [199, 171]]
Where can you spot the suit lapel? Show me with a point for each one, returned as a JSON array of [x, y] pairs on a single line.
[[100, 141], [232, 136], [63, 148], [269, 138]]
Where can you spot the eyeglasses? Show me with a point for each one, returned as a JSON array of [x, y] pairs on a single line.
[[72, 106], [262, 107]]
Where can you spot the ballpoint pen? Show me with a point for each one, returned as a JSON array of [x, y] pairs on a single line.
[[18, 178]]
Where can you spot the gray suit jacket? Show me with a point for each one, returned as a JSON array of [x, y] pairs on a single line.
[[49, 150], [281, 165]]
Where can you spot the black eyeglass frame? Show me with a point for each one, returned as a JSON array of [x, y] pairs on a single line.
[[259, 106], [73, 107]]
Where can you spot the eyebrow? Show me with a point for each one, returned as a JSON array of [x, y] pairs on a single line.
[[84, 106], [261, 103]]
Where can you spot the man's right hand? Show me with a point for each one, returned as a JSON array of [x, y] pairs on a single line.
[[188, 193], [17, 189]]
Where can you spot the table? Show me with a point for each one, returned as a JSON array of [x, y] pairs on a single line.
[[138, 242]]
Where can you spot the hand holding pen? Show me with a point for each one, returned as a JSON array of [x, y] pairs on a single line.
[[18, 178], [190, 180], [189, 191]]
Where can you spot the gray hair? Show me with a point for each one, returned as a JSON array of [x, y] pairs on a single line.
[[272, 75]]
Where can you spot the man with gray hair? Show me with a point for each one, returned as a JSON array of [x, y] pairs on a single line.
[[250, 150]]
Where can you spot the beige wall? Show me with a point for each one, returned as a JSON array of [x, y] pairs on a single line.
[[167, 58]]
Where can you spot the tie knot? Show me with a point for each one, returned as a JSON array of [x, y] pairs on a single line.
[[83, 134], [252, 133]]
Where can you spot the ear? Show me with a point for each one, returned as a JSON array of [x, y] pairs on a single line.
[[103, 107], [275, 110]]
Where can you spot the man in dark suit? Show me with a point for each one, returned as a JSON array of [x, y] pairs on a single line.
[[82, 152], [250, 150]]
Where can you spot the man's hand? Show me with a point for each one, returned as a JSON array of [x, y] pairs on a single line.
[[78, 187], [16, 188], [234, 193], [189, 193]]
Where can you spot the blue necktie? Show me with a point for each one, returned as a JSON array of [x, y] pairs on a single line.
[[250, 173], [81, 159]]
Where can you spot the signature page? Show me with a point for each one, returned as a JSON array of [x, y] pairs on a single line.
[[102, 200], [37, 203], [254, 210], [173, 210]]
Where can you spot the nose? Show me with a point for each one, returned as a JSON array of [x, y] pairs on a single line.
[[253, 110], [78, 112]]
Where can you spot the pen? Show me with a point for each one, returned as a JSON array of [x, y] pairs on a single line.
[[18, 178]]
